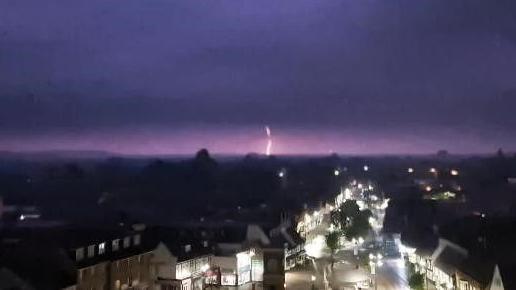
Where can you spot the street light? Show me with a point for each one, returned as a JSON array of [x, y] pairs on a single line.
[[205, 267], [374, 262], [336, 172]]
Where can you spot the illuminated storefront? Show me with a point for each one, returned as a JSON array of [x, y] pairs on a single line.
[[250, 266]]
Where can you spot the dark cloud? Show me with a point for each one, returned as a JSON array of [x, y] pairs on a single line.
[[76, 67]]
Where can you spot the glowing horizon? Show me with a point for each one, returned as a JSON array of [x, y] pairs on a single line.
[[250, 140]]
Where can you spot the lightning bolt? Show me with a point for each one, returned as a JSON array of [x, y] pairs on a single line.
[[268, 149]]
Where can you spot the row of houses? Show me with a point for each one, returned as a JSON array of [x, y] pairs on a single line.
[[468, 254], [179, 258]]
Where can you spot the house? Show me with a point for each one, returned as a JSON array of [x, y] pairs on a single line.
[[163, 264], [450, 266], [80, 258], [207, 255]]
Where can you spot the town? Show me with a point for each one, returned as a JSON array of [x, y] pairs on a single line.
[[428, 233], [257, 144]]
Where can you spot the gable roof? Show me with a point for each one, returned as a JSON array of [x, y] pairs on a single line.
[[449, 260]]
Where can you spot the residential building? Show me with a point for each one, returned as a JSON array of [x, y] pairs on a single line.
[[80, 258]]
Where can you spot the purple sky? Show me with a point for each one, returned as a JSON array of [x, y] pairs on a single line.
[[171, 76]]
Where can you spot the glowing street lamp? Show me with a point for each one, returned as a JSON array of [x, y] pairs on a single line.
[[410, 170], [366, 168], [454, 172], [205, 267], [374, 262], [336, 172]]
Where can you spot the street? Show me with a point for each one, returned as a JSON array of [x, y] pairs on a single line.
[[392, 275], [302, 280]]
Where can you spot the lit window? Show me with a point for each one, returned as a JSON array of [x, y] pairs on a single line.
[[79, 254], [188, 248], [115, 245], [102, 248], [136, 240], [91, 251], [127, 242]]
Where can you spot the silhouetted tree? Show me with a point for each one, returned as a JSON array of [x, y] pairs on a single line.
[[73, 170], [332, 242], [203, 161], [350, 220]]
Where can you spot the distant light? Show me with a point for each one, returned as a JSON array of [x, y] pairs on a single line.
[[360, 186], [410, 170], [454, 172], [360, 240], [22, 217], [313, 278], [366, 168], [428, 188], [433, 170], [281, 174], [380, 263], [336, 172]]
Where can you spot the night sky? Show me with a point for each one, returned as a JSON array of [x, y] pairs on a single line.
[[171, 76]]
